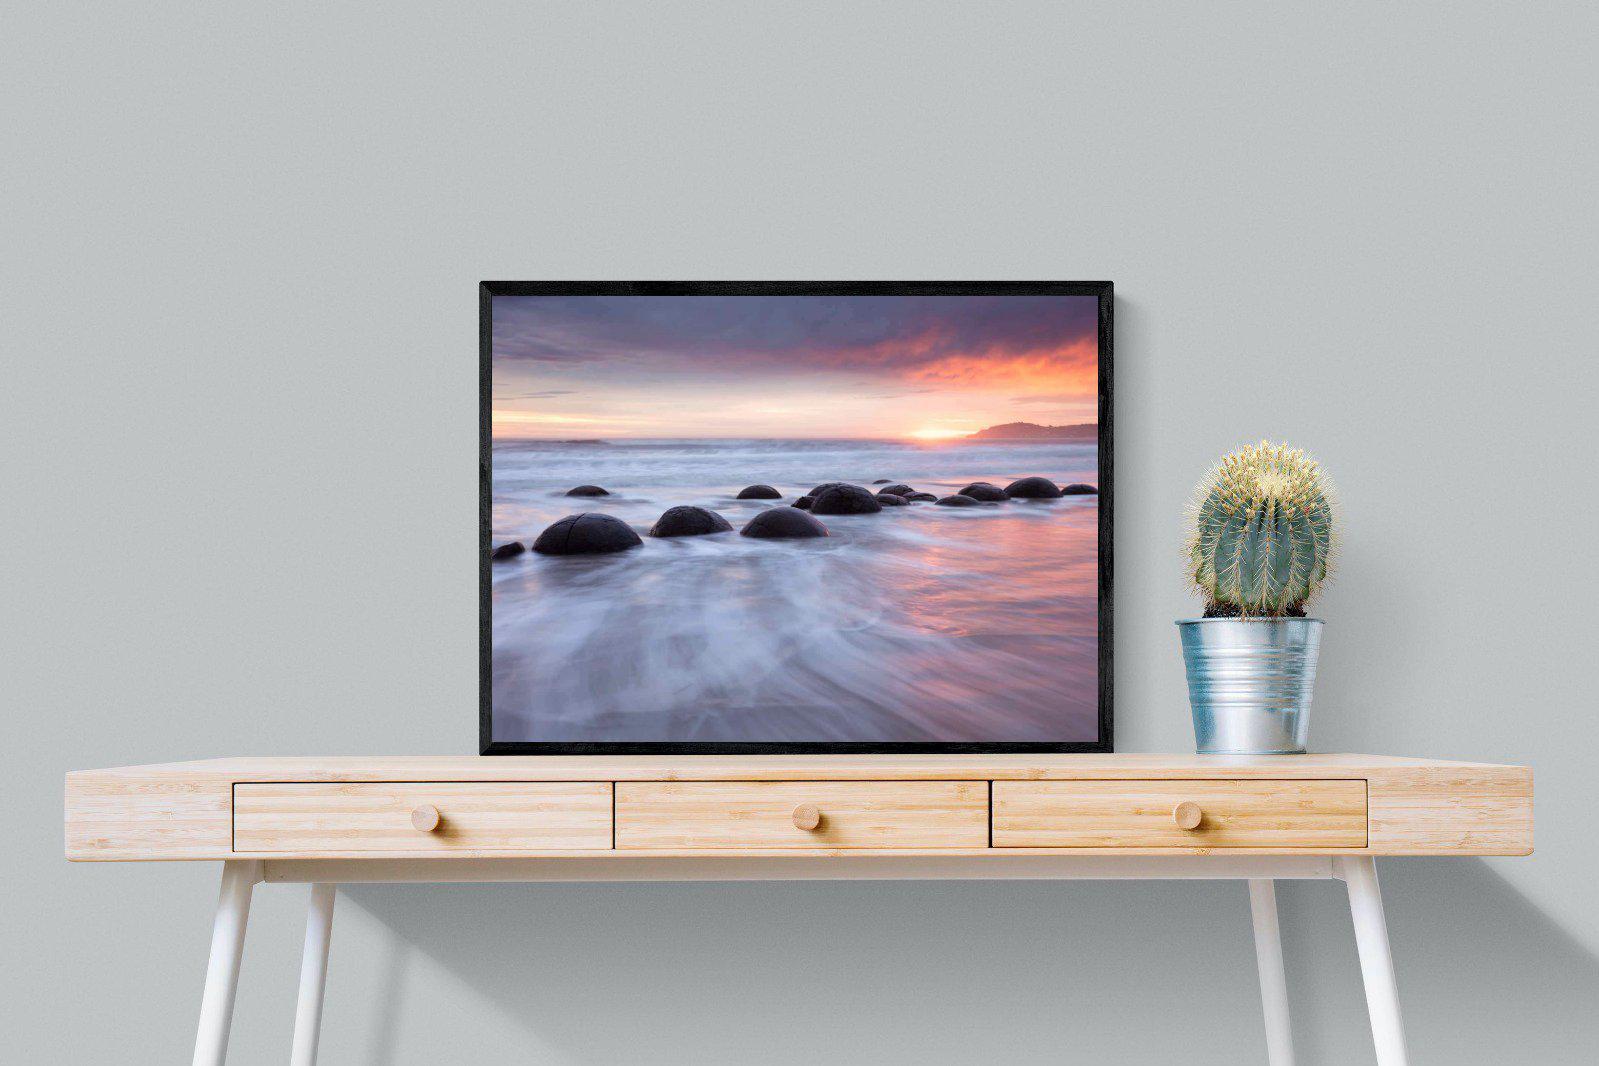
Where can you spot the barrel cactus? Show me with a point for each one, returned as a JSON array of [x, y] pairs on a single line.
[[1261, 538]]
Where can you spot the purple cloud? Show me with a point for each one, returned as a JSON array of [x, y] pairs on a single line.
[[898, 335]]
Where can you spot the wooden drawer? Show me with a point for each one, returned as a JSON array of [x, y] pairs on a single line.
[[1144, 814], [308, 819], [769, 814]]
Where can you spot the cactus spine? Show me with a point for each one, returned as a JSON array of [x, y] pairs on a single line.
[[1261, 534]]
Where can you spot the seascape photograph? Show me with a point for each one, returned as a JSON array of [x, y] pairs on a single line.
[[794, 520]]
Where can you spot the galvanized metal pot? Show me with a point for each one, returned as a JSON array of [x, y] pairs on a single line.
[[1249, 682]]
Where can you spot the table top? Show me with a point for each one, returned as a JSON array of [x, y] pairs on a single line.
[[786, 767]]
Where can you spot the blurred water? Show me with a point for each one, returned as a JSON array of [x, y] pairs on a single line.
[[921, 623]]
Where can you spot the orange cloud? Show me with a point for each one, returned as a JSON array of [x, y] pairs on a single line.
[[1073, 370]]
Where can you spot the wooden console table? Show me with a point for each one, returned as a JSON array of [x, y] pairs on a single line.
[[327, 821]]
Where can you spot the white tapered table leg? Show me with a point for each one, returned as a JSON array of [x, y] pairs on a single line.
[[313, 975], [1376, 960], [1273, 981], [239, 877]]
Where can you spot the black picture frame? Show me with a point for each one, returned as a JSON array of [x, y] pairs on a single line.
[[487, 290]]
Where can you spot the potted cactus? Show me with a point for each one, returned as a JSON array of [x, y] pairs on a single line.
[[1260, 544]]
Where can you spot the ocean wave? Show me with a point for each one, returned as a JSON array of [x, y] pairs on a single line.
[[921, 623]]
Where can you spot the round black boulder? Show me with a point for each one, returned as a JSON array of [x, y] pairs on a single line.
[[587, 490], [885, 499], [804, 502], [845, 499], [957, 500], [817, 491], [897, 490], [1078, 489], [760, 492], [689, 522], [776, 522], [920, 497], [508, 551], [588, 533], [1033, 488], [982, 490]]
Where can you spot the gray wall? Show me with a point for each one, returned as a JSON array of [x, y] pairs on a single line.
[[239, 418]]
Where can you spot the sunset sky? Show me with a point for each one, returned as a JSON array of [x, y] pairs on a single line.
[[923, 367]]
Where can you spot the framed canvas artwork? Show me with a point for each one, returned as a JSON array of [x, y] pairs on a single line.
[[722, 517]]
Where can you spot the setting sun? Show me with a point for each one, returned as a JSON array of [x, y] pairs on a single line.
[[939, 433]]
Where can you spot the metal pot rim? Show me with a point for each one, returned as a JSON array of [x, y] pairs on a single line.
[[1253, 619]]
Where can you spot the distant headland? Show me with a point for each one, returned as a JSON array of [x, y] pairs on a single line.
[[1086, 431]]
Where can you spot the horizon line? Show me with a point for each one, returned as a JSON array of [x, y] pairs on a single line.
[[785, 436]]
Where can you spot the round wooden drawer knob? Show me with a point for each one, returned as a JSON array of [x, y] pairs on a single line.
[[807, 816], [1187, 815], [425, 818]]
